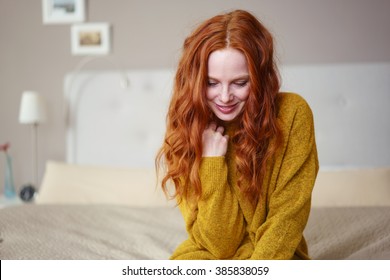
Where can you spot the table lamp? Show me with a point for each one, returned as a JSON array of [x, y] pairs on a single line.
[[33, 112]]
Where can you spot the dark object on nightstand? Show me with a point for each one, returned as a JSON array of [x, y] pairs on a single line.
[[27, 193]]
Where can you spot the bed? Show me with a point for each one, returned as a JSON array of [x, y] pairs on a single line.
[[103, 201]]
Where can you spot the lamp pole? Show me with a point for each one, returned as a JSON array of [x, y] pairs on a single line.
[[34, 149]]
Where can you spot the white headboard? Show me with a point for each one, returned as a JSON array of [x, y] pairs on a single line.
[[115, 126], [109, 125], [351, 105]]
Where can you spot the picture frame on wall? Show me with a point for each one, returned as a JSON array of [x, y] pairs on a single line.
[[63, 11], [90, 39]]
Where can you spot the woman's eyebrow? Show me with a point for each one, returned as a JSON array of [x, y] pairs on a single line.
[[240, 77]]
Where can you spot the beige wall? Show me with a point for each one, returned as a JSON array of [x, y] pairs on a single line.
[[149, 34]]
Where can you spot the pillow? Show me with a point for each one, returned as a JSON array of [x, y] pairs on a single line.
[[82, 184], [352, 187]]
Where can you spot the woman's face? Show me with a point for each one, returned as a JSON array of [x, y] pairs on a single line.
[[228, 83]]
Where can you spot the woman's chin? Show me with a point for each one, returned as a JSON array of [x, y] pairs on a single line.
[[226, 117]]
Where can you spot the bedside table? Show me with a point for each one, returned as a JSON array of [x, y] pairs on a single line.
[[6, 202]]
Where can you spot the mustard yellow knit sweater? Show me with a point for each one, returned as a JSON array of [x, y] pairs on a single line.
[[226, 226]]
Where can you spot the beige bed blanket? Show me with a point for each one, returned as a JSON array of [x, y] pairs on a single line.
[[121, 232]]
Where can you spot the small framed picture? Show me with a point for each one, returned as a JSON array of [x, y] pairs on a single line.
[[90, 39], [63, 11]]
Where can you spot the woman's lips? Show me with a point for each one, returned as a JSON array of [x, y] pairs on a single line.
[[226, 109]]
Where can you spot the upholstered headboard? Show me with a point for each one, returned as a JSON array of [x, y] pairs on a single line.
[[116, 126], [109, 125], [350, 103]]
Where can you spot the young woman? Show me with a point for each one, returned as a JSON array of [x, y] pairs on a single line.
[[241, 155]]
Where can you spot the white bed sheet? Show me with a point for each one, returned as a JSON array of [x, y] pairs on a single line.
[[122, 232]]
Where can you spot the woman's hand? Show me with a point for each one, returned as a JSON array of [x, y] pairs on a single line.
[[214, 142]]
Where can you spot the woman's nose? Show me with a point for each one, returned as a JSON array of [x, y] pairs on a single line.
[[225, 95]]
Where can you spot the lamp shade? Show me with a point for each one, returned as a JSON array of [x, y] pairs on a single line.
[[32, 108]]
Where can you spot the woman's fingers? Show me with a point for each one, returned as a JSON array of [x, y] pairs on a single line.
[[214, 142], [212, 126], [220, 129]]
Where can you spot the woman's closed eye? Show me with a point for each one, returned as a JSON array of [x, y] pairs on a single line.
[[211, 83], [241, 83], [237, 83]]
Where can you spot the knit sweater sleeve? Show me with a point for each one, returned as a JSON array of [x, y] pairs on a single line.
[[289, 202], [217, 223]]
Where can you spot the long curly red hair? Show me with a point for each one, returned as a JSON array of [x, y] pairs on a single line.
[[258, 136]]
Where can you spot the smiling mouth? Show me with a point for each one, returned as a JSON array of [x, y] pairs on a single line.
[[226, 109]]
